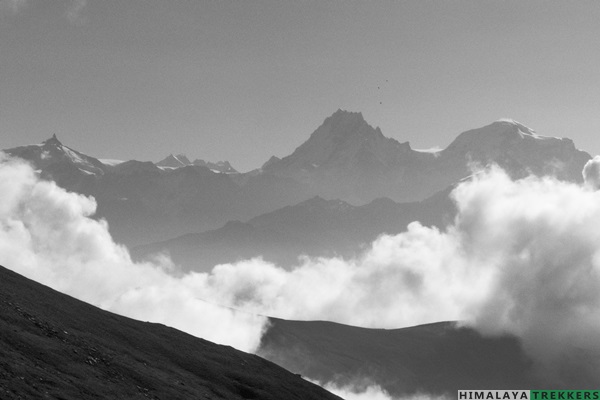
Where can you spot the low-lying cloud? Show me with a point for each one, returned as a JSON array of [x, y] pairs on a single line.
[[522, 257], [372, 391], [46, 234], [591, 173]]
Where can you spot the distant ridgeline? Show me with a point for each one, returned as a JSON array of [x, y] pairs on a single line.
[[344, 159]]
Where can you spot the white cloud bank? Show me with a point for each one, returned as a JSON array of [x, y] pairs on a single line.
[[522, 257], [374, 392], [591, 173], [46, 234]]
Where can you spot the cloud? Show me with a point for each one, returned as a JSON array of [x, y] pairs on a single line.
[[46, 234], [400, 281], [591, 173], [522, 257], [373, 392], [540, 240]]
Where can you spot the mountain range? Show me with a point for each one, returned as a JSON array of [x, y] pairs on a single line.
[[347, 158], [332, 196], [316, 227], [344, 159], [181, 160]]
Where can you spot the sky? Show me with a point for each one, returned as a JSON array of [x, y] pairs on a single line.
[[244, 80]]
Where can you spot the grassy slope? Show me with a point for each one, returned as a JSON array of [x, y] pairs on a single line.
[[54, 346], [434, 358]]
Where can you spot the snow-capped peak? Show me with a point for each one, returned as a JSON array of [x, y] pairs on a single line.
[[181, 160], [52, 152], [171, 161], [343, 141], [499, 136], [110, 162], [53, 141], [520, 126]]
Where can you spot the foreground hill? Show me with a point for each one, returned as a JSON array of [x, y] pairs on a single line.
[[435, 358], [54, 346]]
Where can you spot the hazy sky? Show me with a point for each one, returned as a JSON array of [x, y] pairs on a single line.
[[242, 80]]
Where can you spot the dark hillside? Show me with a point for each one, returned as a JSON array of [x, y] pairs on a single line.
[[435, 358], [54, 346]]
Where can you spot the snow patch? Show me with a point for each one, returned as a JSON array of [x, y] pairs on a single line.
[[524, 130], [76, 158], [86, 172], [435, 149], [111, 162]]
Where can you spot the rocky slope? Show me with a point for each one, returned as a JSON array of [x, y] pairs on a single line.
[[54, 346]]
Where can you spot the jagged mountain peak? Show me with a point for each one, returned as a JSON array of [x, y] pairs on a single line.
[[173, 161], [53, 141], [219, 166], [271, 161], [342, 140], [345, 114], [52, 154], [344, 124], [181, 160]]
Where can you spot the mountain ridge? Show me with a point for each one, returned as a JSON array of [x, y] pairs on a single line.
[[345, 158], [435, 359], [51, 153], [181, 160], [316, 227]]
